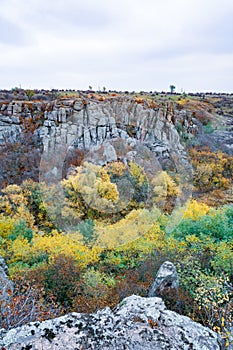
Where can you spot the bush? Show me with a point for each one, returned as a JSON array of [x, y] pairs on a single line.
[[218, 225], [27, 304], [60, 279], [87, 229], [21, 229]]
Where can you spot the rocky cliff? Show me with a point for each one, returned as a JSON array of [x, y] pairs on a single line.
[[56, 129], [65, 130]]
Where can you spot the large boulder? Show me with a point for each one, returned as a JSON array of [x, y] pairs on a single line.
[[137, 323], [165, 280]]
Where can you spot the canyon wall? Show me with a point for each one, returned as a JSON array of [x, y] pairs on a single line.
[[118, 128]]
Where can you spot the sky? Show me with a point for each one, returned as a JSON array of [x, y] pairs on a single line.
[[122, 45]]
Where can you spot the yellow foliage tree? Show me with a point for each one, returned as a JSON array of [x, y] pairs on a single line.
[[90, 189], [211, 170], [115, 168], [195, 210], [164, 186], [6, 226], [60, 243], [13, 203], [137, 172], [136, 224], [20, 250]]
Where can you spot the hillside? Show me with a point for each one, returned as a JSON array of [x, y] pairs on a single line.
[[98, 189]]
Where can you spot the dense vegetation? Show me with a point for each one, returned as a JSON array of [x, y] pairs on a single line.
[[110, 255]]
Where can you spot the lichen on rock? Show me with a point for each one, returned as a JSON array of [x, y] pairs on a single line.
[[137, 323]]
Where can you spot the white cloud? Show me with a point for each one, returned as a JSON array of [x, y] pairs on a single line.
[[128, 45]]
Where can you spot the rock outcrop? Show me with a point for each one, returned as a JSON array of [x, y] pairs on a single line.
[[137, 324], [6, 287], [85, 122], [165, 280], [90, 125]]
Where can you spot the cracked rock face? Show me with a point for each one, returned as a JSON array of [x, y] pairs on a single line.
[[6, 286], [137, 323], [99, 128], [87, 125], [166, 279]]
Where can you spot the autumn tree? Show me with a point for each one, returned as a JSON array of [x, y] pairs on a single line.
[[90, 192]]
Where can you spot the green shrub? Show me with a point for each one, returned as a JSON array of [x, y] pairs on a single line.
[[218, 225], [87, 229], [21, 229]]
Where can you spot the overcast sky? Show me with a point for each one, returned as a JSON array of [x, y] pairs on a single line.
[[121, 44]]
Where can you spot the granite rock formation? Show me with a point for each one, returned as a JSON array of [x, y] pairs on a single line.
[[165, 279], [62, 126], [6, 287], [137, 323]]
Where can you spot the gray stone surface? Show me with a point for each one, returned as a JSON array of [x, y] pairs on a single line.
[[3, 267], [98, 122], [136, 324], [165, 279], [6, 287]]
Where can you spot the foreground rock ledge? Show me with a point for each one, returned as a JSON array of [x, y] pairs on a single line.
[[137, 323]]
